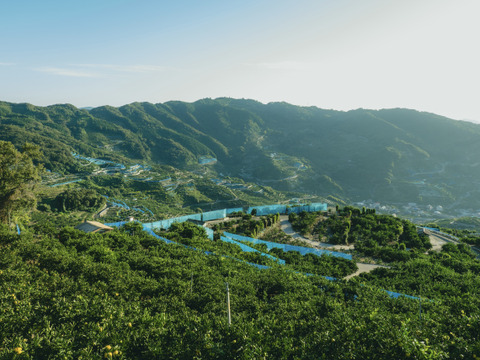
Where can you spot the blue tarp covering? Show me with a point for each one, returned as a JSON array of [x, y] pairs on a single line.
[[247, 248], [396, 295], [119, 203], [162, 224], [220, 214], [149, 231], [147, 209], [197, 217], [432, 229], [297, 209], [165, 224], [392, 294], [308, 208], [318, 207], [285, 247], [330, 278], [209, 232], [284, 209], [268, 209], [117, 224], [214, 215], [232, 210]]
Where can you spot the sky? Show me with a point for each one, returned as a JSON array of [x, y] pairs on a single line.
[[333, 54]]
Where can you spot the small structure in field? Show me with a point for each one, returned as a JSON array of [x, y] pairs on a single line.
[[93, 227]]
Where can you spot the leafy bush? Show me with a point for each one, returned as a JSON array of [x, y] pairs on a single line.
[[79, 199], [129, 295]]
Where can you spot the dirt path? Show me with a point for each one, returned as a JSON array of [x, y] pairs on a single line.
[[102, 211], [436, 242], [362, 268], [286, 226], [287, 229]]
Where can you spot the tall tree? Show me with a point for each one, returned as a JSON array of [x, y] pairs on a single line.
[[18, 178]]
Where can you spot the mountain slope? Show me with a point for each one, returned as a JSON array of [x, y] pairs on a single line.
[[392, 156]]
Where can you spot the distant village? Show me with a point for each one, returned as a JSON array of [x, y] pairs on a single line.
[[415, 212]]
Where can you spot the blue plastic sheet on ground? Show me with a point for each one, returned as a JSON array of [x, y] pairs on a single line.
[[392, 294], [330, 278], [149, 231], [262, 267], [147, 209], [285, 247], [246, 248], [396, 295]]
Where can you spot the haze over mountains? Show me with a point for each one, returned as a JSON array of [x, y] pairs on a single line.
[[394, 156]]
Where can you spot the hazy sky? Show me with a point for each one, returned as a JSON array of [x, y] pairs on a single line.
[[334, 54]]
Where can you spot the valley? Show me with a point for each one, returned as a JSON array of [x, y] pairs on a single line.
[[269, 199]]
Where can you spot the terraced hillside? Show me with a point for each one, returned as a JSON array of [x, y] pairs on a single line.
[[395, 156]]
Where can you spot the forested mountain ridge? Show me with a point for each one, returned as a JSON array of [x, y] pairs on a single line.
[[395, 156]]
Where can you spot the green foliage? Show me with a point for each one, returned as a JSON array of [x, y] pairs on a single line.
[[129, 295], [472, 240], [18, 178], [125, 294], [460, 249], [304, 222], [79, 199], [380, 236], [383, 157], [248, 225], [186, 230], [309, 263], [132, 227]]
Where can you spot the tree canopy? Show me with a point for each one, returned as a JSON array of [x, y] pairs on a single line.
[[18, 177]]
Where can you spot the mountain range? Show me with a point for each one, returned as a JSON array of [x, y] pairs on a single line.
[[393, 156]]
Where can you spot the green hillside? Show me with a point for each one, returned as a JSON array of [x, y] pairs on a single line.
[[125, 294], [130, 293], [394, 157]]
